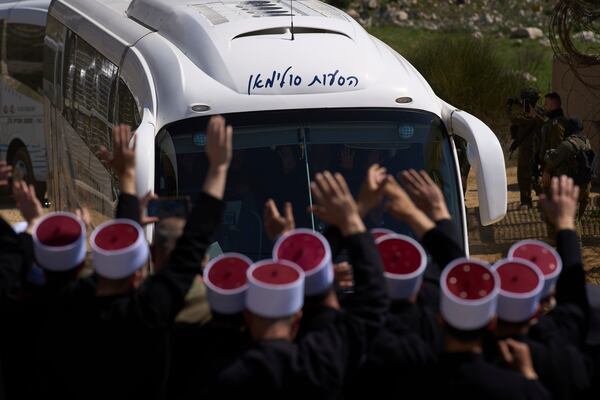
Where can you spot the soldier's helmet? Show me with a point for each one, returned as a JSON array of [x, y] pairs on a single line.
[[532, 95], [574, 126]]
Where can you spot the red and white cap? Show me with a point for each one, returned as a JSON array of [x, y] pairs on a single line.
[[311, 252], [544, 257], [521, 284], [469, 294], [119, 248], [379, 232], [226, 282], [275, 288], [404, 262], [59, 241]]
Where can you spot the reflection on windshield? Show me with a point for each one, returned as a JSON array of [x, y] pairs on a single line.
[[277, 160]]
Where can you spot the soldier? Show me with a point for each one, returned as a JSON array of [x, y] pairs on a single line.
[[524, 128], [573, 157], [552, 131]]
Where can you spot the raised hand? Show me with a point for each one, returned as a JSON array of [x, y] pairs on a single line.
[[560, 206], [518, 357], [145, 219], [372, 189], [219, 149], [27, 202], [122, 159], [402, 208], [400, 205], [84, 215], [275, 223], [218, 142], [425, 193], [5, 173], [334, 203], [343, 275]]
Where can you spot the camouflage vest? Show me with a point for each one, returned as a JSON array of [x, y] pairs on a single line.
[[580, 159]]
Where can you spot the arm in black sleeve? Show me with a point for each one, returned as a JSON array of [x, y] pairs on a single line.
[[12, 260], [447, 227], [128, 207], [570, 287], [162, 296], [440, 245], [28, 255], [369, 300], [335, 239]]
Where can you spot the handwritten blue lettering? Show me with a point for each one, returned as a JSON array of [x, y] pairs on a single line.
[[290, 79]]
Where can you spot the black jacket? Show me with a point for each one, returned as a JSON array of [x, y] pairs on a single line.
[[119, 345], [331, 348], [468, 376], [569, 320]]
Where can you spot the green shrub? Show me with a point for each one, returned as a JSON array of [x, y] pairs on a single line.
[[472, 75]]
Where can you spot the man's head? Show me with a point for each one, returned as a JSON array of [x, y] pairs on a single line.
[[274, 299], [521, 285], [59, 244], [264, 328], [404, 262], [574, 126], [546, 259], [166, 234], [226, 283], [311, 252], [552, 102], [120, 254], [468, 299]]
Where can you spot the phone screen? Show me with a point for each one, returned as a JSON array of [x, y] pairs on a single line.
[[169, 207]]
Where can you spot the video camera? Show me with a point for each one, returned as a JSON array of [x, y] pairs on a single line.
[[528, 99]]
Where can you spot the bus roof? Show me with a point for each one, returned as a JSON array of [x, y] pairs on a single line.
[[220, 52]]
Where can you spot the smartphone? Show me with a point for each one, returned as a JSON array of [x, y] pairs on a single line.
[[166, 207]]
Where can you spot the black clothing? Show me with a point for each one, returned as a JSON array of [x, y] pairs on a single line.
[[119, 344], [329, 350], [469, 376], [569, 319]]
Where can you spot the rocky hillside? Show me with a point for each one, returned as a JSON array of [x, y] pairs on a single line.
[[514, 18]]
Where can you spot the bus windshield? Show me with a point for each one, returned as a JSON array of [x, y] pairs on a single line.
[[276, 155]]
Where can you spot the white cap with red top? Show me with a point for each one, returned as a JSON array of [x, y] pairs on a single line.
[[119, 248], [404, 262], [59, 241], [379, 232], [469, 294], [521, 284], [311, 252], [275, 288], [544, 257], [226, 282]]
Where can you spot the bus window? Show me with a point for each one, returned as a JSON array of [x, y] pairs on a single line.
[[277, 153], [89, 90], [128, 112], [25, 54]]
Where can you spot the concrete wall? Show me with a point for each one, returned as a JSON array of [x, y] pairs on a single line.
[[579, 99]]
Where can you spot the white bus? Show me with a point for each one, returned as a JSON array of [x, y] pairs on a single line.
[[330, 97], [22, 27]]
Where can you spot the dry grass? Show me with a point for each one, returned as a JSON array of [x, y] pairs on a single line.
[[492, 243]]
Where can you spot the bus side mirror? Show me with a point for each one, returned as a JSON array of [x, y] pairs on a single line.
[[144, 159], [487, 159]]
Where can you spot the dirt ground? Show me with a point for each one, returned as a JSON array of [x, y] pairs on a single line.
[[492, 243]]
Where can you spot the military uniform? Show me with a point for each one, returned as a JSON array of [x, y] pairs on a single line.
[[552, 133], [524, 130], [563, 161]]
